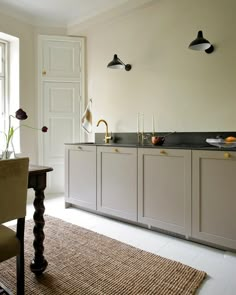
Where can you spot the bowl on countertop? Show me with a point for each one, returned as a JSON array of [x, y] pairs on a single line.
[[158, 140], [221, 143]]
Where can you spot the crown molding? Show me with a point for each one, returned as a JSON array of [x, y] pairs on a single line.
[[108, 16]]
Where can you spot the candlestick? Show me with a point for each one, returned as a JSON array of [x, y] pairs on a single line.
[[153, 125], [143, 123], [156, 124], [138, 123]]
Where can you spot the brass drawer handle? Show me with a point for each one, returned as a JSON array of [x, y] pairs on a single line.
[[79, 147], [116, 150], [162, 152], [227, 155]]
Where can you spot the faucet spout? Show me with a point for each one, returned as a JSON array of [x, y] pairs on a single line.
[[107, 137]]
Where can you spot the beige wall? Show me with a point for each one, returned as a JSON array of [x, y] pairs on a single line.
[[28, 76], [25, 33], [185, 89]]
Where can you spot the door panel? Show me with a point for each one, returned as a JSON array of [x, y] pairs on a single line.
[[80, 175], [214, 202], [61, 115], [62, 131], [117, 182], [61, 59], [164, 179]]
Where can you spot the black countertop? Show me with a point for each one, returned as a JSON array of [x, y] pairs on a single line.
[[164, 146], [173, 140]]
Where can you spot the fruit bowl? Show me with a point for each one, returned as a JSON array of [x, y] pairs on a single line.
[[222, 143]]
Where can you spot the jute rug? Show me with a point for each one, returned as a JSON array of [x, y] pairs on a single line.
[[82, 262]]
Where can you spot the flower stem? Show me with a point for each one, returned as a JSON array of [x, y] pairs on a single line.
[[9, 133]]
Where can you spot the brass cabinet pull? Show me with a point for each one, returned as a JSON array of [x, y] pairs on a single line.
[[116, 150], [162, 152], [79, 147], [44, 72], [227, 155]]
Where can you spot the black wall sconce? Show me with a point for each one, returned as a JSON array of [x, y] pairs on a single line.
[[201, 44], [116, 63]]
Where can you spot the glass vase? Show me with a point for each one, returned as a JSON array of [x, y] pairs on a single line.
[[9, 154], [6, 155]]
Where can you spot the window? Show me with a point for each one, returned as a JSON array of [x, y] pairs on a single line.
[[2, 74], [3, 102], [9, 85]]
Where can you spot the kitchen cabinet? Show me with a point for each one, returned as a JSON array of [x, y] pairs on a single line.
[[185, 192], [117, 181], [214, 197], [80, 175], [164, 189]]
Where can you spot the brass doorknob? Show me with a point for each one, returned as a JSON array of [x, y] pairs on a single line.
[[227, 155]]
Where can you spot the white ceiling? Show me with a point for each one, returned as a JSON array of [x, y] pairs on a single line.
[[58, 13]]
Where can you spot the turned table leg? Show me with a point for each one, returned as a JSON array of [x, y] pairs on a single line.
[[38, 183], [39, 263]]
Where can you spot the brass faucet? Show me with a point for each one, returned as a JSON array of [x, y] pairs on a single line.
[[107, 136]]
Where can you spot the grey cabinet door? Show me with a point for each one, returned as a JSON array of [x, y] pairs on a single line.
[[214, 197], [80, 175], [164, 189], [117, 182]]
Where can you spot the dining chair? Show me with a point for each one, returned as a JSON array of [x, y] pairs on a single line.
[[13, 195]]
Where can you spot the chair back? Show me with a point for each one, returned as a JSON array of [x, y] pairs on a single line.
[[13, 188]]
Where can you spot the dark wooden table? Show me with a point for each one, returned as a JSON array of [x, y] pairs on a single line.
[[38, 181]]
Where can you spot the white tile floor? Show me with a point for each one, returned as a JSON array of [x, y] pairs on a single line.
[[219, 265]]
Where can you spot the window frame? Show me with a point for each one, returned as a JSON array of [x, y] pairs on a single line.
[[4, 77], [10, 99]]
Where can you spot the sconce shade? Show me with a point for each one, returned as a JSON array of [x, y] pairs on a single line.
[[116, 63], [200, 44]]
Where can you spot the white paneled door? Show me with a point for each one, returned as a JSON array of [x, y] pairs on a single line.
[[61, 100]]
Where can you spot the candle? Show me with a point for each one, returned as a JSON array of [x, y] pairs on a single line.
[[156, 123], [143, 123], [153, 125], [138, 123]]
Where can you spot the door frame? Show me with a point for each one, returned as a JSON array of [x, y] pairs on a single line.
[[39, 103]]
